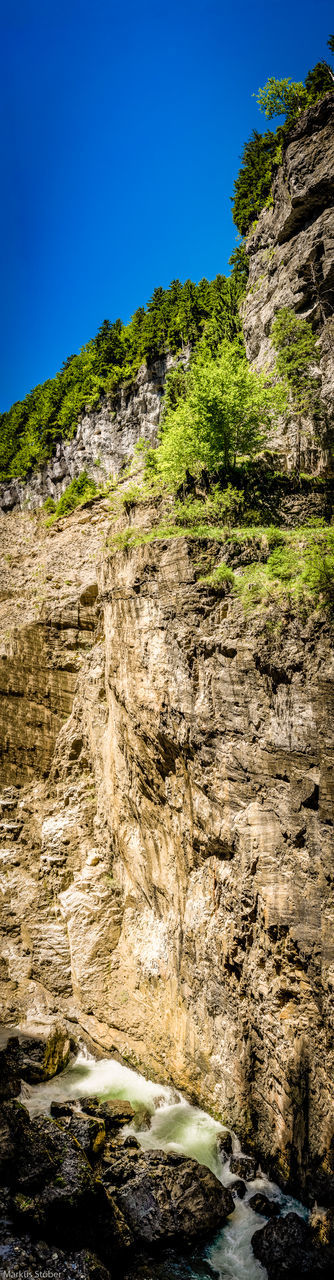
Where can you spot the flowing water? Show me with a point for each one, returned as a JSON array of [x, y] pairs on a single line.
[[176, 1126]]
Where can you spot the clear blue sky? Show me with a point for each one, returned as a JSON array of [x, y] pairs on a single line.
[[123, 125]]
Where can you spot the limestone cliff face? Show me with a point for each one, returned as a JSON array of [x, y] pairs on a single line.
[[167, 770], [103, 442], [169, 886], [292, 265]]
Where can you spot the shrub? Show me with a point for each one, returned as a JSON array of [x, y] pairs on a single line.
[[80, 490], [294, 341], [221, 576]]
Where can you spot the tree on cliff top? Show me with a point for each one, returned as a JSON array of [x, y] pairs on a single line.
[[282, 98], [262, 152], [288, 98]]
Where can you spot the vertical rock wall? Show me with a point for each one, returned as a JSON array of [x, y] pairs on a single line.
[[170, 885], [292, 265]]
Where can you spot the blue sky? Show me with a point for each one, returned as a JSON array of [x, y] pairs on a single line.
[[123, 125]]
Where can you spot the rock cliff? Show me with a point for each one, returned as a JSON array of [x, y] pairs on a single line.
[[291, 254], [168, 886], [103, 441], [167, 767]]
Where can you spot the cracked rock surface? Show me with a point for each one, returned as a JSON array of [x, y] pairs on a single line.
[[168, 885]]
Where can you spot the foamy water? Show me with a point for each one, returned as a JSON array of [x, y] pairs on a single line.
[[175, 1126]]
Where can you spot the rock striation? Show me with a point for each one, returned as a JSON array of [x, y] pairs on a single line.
[[168, 886], [167, 774], [103, 441]]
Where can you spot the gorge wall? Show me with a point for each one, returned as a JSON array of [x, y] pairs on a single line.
[[168, 867], [291, 255], [167, 777], [103, 441]]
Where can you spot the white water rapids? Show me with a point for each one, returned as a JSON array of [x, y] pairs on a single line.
[[175, 1126]]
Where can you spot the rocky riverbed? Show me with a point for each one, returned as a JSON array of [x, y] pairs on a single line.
[[107, 1174]]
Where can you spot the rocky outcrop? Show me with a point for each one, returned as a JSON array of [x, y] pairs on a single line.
[[286, 1248], [165, 1197], [103, 442], [33, 1060], [168, 887], [292, 265], [48, 618], [56, 1191], [167, 784]]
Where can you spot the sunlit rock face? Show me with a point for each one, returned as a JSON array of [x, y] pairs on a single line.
[[291, 254], [103, 442], [168, 886], [167, 792]]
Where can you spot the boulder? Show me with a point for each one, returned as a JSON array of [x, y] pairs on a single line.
[[285, 1247], [61, 1109], [32, 1059], [170, 1265], [238, 1188], [243, 1166], [142, 1120], [261, 1204], [19, 1254], [114, 1112], [42, 1059], [10, 1080], [54, 1192], [88, 1130], [224, 1145], [163, 1196]]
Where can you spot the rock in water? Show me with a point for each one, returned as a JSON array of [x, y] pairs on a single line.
[[260, 1204], [165, 1196], [114, 1112], [243, 1166], [238, 1188], [284, 1246]]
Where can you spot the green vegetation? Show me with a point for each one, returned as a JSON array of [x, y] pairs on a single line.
[[217, 411], [299, 572], [80, 490], [282, 98], [294, 342], [221, 576], [173, 318], [224, 412], [262, 565], [263, 152], [221, 506], [253, 185], [287, 567]]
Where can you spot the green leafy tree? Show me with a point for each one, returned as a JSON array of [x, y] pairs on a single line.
[[225, 414], [282, 98], [174, 317], [294, 342]]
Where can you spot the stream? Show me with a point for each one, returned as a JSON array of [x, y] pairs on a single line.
[[178, 1127]]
